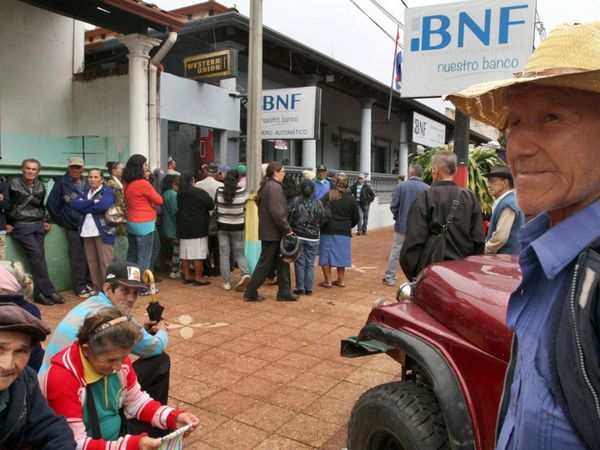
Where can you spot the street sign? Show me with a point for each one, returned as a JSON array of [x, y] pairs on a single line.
[[428, 132], [452, 46]]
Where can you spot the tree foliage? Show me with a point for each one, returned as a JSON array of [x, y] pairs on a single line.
[[481, 160]]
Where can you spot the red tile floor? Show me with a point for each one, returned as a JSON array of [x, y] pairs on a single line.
[[268, 375]]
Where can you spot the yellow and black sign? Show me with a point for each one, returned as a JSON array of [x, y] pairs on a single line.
[[210, 65]]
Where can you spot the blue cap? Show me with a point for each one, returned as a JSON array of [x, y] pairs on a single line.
[[224, 168]]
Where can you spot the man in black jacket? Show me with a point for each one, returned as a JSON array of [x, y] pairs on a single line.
[[430, 212], [364, 196], [70, 186], [26, 419], [27, 216]]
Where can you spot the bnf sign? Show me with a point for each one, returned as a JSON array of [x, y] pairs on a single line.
[[450, 47]]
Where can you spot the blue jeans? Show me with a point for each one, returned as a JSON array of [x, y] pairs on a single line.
[[363, 217], [305, 265], [232, 240], [140, 250]]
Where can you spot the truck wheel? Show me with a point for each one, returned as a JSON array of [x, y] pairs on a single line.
[[397, 416]]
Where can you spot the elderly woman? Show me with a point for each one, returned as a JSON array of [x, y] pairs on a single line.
[[193, 209], [16, 287], [115, 181], [98, 235], [335, 247], [90, 381]]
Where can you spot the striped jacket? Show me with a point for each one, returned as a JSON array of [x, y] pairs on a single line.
[[63, 384], [231, 217], [65, 332]]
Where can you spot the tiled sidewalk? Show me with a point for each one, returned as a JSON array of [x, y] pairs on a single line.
[[268, 375]]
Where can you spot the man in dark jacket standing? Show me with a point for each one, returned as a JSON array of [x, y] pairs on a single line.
[[26, 419], [27, 216], [402, 199], [364, 196], [272, 226], [430, 214], [70, 186], [4, 228]]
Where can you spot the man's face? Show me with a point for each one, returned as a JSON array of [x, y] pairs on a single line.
[[553, 145], [360, 180], [30, 171], [122, 296], [321, 174], [15, 348], [279, 175], [75, 172], [497, 186]]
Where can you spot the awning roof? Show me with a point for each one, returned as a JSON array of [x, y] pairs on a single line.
[[123, 16]]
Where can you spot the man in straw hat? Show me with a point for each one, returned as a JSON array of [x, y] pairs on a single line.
[[26, 420], [507, 219], [550, 113]]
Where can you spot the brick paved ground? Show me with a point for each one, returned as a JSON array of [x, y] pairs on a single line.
[[268, 375]]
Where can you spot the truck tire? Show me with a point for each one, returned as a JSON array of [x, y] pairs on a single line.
[[397, 416]]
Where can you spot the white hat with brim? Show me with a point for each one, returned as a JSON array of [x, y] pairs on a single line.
[[568, 58]]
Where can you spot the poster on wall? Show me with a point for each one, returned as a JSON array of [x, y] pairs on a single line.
[[291, 113], [452, 46]]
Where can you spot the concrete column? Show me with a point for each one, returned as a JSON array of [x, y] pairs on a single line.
[[403, 157], [365, 135], [309, 154], [223, 147], [139, 47]]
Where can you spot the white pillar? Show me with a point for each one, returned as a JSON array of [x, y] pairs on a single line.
[[365, 136], [223, 147], [309, 154], [139, 47], [403, 157]]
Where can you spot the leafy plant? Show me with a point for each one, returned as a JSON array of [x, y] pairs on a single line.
[[481, 160]]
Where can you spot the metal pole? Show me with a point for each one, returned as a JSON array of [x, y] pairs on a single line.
[[254, 140], [461, 147]]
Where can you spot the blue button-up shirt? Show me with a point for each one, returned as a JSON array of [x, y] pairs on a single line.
[[534, 419]]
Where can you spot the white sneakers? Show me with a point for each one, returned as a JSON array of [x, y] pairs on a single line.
[[242, 283], [175, 275], [226, 285]]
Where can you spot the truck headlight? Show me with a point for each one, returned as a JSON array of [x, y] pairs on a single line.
[[404, 293]]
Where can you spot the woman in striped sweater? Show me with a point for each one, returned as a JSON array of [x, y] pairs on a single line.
[[231, 211], [90, 381]]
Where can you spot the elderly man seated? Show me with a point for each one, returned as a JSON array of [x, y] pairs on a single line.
[[26, 420]]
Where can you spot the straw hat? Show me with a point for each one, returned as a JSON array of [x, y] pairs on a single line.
[[569, 57]]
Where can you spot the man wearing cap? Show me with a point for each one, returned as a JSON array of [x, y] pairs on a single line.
[[322, 184], [210, 184], [550, 114], [444, 208], [402, 199], [241, 168], [222, 172], [507, 219], [27, 216], [26, 420], [122, 282], [172, 166], [364, 196], [70, 186]]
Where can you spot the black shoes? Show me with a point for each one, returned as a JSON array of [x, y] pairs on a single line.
[[52, 299], [288, 298], [258, 298], [299, 291]]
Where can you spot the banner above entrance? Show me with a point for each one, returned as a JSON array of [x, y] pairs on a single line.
[[291, 113]]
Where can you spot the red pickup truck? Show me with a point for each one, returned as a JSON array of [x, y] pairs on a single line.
[[447, 332]]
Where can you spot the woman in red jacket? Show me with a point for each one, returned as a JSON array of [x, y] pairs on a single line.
[[142, 201]]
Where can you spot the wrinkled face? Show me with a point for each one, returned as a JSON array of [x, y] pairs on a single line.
[[30, 171], [15, 348], [279, 174], [497, 186], [75, 172], [553, 148], [122, 296], [95, 179], [108, 361]]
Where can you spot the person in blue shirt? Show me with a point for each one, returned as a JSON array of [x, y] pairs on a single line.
[[322, 184], [550, 113], [402, 199], [507, 219]]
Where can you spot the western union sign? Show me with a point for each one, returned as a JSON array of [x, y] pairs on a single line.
[[210, 65]]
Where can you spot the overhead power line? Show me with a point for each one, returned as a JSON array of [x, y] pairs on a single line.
[[388, 14], [375, 22]]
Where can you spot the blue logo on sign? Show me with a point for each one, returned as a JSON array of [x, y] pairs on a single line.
[[280, 102], [437, 26]]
